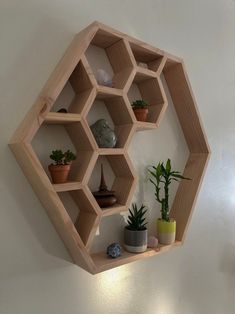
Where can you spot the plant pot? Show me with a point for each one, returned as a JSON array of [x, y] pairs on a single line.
[[141, 114], [166, 231], [135, 241], [59, 173]]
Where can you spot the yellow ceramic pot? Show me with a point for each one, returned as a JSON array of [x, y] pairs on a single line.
[[166, 231]]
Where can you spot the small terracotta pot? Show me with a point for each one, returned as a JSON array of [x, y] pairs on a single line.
[[59, 173], [141, 113]]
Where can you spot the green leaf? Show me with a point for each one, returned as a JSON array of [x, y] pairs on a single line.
[[168, 166], [136, 219], [180, 177]]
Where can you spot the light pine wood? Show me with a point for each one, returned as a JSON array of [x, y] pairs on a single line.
[[186, 109], [182, 208], [153, 93], [89, 215], [104, 92], [61, 118], [143, 74], [124, 53], [115, 209], [103, 263], [121, 63], [52, 203], [111, 151], [68, 186]]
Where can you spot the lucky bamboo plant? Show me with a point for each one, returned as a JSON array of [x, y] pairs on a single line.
[[162, 175]]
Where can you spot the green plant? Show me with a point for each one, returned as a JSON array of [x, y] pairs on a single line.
[[163, 174], [61, 158], [136, 219], [139, 104]]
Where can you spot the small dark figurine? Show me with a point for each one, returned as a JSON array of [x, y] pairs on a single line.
[[114, 250], [63, 110], [104, 197], [104, 135]]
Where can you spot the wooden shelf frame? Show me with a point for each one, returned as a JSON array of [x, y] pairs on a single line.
[[124, 53]]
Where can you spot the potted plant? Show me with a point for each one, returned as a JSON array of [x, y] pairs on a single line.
[[162, 175], [140, 108], [135, 233], [62, 162]]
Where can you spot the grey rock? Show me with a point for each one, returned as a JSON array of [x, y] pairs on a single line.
[[104, 135]]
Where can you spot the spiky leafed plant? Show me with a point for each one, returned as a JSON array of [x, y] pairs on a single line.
[[136, 219], [163, 174]]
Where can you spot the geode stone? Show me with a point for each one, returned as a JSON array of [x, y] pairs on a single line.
[[114, 250], [104, 135]]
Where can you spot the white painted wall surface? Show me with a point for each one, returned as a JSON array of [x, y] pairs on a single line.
[[36, 273]]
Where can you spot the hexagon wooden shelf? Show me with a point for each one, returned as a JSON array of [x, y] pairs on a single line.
[[133, 63]]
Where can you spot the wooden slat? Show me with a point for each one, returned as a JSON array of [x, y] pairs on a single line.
[[61, 118], [68, 186], [103, 262], [119, 56], [143, 74], [103, 38], [143, 126], [110, 151], [104, 92], [187, 191], [185, 106], [89, 215], [115, 209]]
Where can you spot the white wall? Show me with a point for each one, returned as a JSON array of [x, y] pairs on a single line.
[[36, 273]]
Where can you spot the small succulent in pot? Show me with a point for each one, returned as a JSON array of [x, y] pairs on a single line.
[[62, 162], [162, 176], [140, 108], [136, 233]]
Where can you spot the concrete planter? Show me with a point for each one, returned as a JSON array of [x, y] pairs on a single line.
[[166, 231], [135, 241]]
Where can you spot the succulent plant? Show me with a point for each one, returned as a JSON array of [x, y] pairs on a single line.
[[61, 158], [136, 219], [140, 104]]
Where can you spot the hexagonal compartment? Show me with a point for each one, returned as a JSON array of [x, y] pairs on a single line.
[[107, 47], [82, 212], [119, 177], [146, 57], [110, 230], [116, 111], [149, 88], [76, 92], [72, 136]]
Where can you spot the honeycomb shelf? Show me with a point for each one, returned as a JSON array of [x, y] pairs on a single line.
[[136, 67]]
